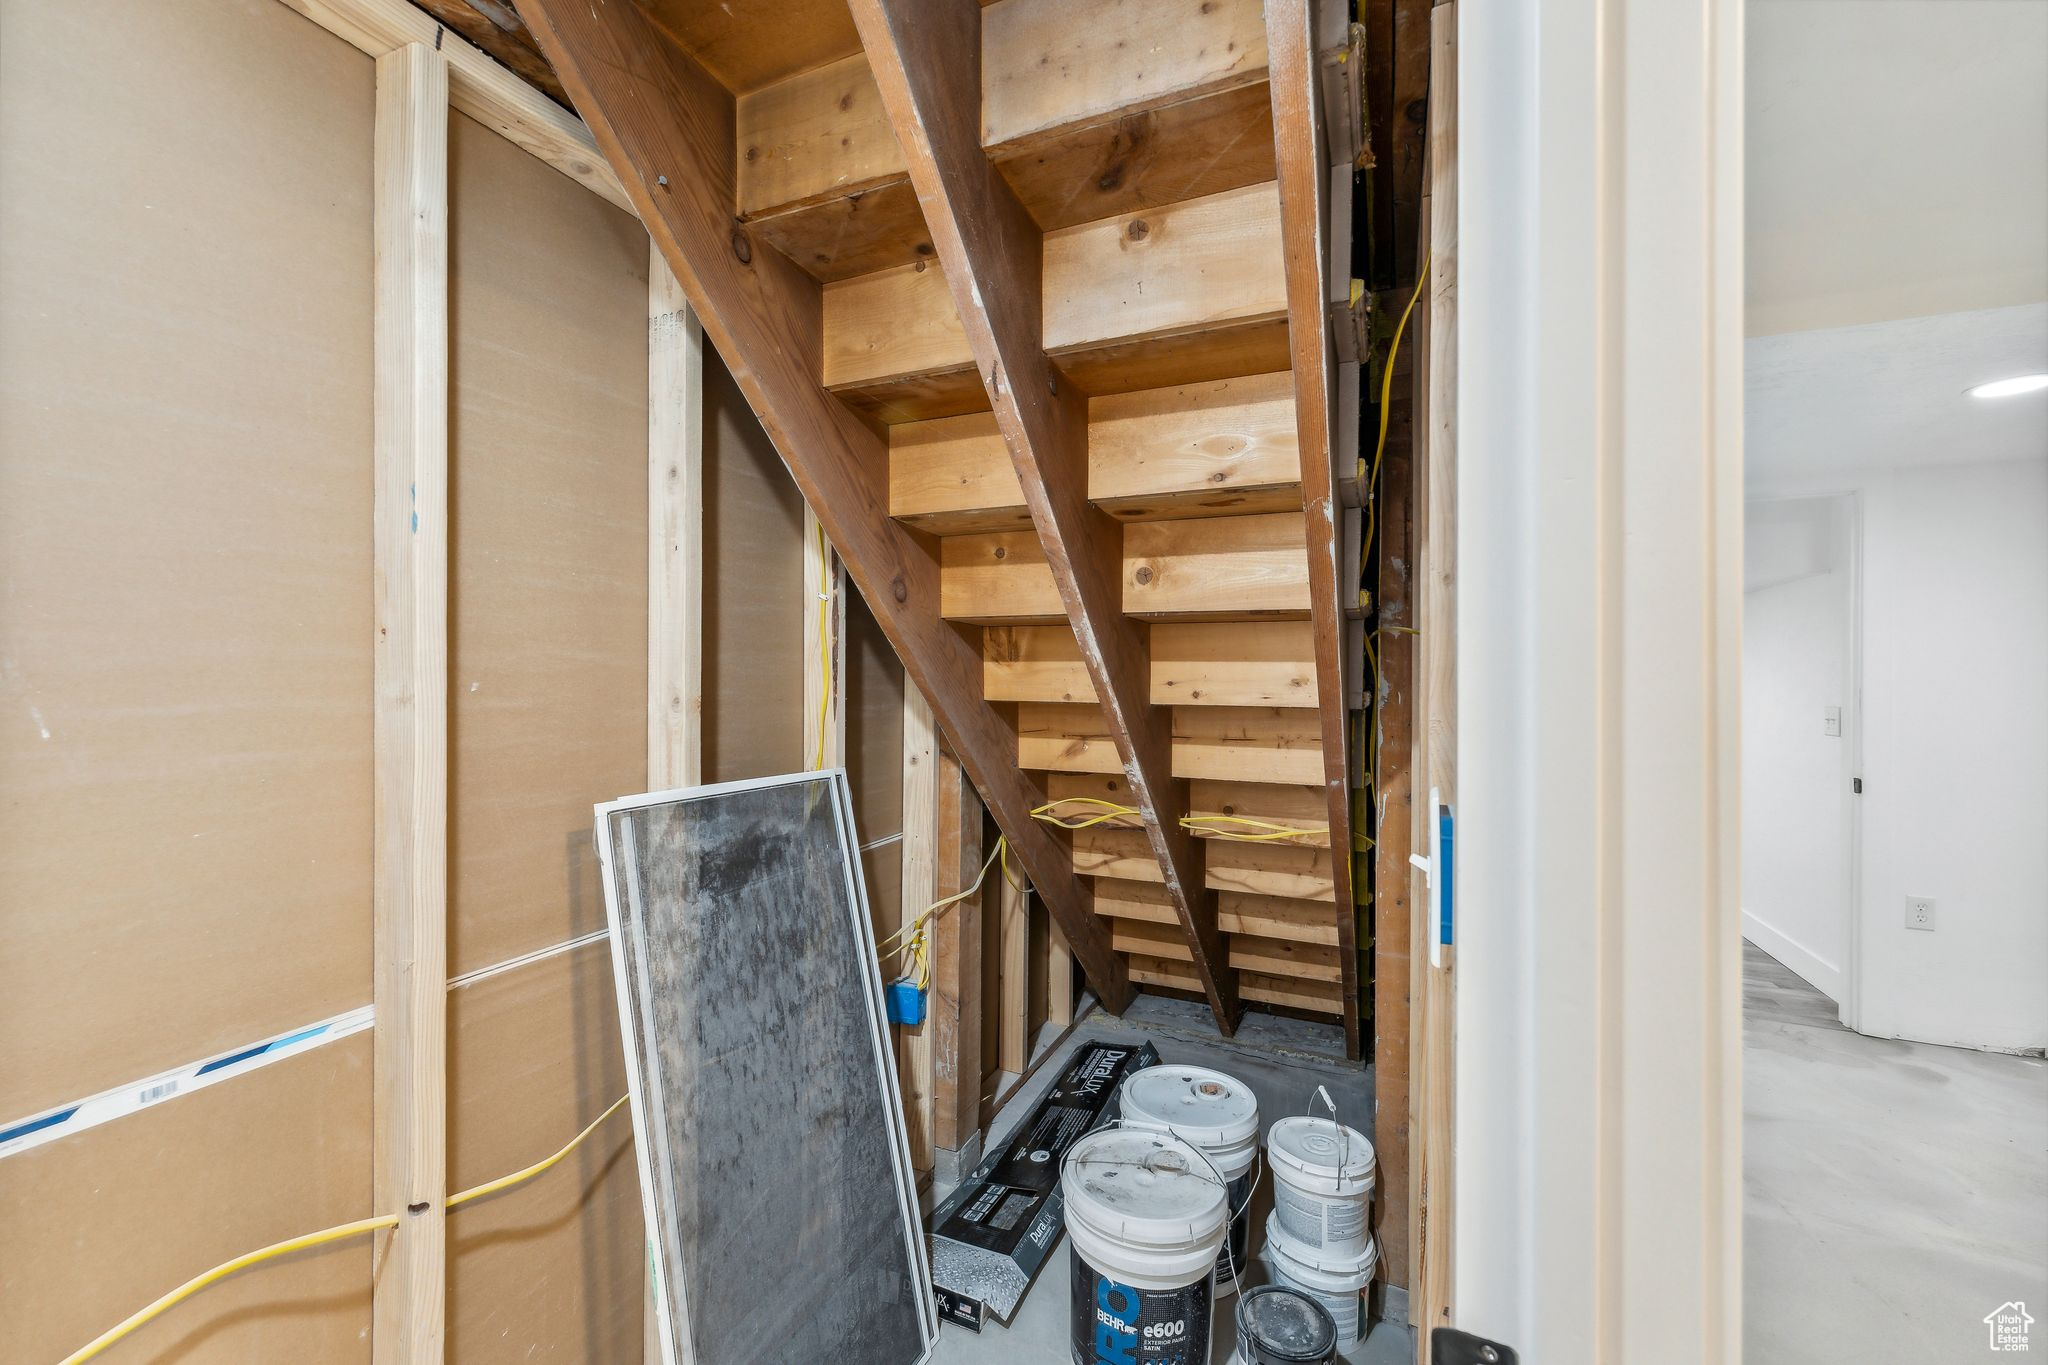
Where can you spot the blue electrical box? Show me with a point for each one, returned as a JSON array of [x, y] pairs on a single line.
[[906, 1000]]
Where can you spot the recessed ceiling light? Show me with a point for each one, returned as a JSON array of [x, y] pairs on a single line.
[[2006, 388]]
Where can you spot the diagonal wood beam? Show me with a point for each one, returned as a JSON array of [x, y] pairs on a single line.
[[667, 128], [1298, 149], [926, 57]]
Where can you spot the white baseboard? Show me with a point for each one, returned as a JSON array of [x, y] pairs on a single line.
[[1802, 961]]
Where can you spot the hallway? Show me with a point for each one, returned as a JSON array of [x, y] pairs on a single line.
[[1895, 1192]]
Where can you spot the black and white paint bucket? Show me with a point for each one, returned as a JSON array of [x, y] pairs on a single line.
[[1335, 1279], [1146, 1215], [1281, 1326]]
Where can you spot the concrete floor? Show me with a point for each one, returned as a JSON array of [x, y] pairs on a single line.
[[1895, 1192], [1283, 1061]]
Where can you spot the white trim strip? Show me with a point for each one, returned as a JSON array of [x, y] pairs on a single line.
[[527, 959], [67, 1119]]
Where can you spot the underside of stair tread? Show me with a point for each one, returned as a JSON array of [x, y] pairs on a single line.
[[1086, 114], [1058, 335]]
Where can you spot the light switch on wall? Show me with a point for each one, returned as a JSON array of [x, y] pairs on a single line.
[[1833, 721]]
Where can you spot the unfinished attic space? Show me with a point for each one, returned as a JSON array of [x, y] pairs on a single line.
[[727, 683]]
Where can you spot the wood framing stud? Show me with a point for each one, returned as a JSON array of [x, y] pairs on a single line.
[[1297, 134], [1013, 1047], [1393, 834], [410, 895], [1432, 1077], [920, 888], [1059, 978], [668, 129], [955, 1013], [925, 58], [675, 564], [675, 533], [824, 649]]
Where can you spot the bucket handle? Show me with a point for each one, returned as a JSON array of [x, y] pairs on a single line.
[[1343, 1133], [1258, 1174]]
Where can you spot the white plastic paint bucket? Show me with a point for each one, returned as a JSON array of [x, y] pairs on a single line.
[[1335, 1280], [1322, 1182], [1219, 1116], [1279, 1325], [1145, 1216]]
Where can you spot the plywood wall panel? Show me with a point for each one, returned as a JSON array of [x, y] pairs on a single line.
[[184, 536], [548, 533], [552, 1270], [753, 593], [874, 758], [874, 723], [98, 1224]]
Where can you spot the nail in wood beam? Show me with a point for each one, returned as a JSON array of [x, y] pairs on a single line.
[[410, 896], [926, 59], [667, 129], [1298, 148]]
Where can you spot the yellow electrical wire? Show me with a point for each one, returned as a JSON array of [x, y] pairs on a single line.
[[1110, 810], [506, 1182], [1372, 480], [931, 911], [1271, 830], [912, 939], [221, 1272], [337, 1233]]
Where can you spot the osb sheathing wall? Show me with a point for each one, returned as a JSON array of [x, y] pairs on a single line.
[[185, 660], [185, 627]]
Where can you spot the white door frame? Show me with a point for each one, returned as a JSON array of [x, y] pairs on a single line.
[[1598, 1146]]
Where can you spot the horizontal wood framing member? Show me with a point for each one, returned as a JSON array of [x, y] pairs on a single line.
[[1217, 568], [1219, 448], [1263, 663], [1251, 744], [1180, 294]]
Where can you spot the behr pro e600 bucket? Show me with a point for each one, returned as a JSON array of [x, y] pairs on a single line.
[[1146, 1214], [1219, 1115]]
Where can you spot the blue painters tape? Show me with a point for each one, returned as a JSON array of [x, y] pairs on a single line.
[[8, 1135], [275, 1045], [1445, 865]]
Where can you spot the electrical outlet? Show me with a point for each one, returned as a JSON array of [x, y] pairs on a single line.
[[1920, 913]]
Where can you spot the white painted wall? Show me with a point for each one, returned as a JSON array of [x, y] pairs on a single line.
[[1795, 776], [1955, 804], [1596, 1185]]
